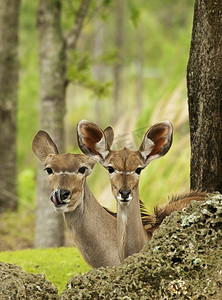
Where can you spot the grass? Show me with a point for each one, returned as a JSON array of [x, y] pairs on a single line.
[[57, 264], [17, 232]]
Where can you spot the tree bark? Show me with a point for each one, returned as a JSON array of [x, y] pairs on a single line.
[[117, 70], [73, 36], [204, 81], [98, 68], [53, 61], [9, 71], [140, 70], [49, 224]]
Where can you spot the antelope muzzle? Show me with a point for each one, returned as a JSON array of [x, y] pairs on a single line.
[[60, 197], [124, 196]]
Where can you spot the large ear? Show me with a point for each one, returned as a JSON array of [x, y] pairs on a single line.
[[92, 140], [43, 145], [157, 141], [109, 134]]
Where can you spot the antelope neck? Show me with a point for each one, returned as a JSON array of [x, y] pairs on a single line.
[[94, 231], [130, 232]]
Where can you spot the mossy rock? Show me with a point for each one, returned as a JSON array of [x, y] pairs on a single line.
[[15, 284], [182, 261]]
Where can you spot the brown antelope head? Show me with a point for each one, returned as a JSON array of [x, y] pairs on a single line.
[[67, 172], [124, 165]]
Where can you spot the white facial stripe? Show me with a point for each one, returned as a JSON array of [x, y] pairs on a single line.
[[122, 172], [64, 173], [127, 173], [118, 172]]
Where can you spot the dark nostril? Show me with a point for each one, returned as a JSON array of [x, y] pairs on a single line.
[[124, 193], [64, 194]]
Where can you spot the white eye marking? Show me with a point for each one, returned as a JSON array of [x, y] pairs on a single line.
[[118, 172], [64, 173], [122, 172], [128, 173], [112, 170]]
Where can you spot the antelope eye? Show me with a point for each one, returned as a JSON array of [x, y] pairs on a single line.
[[49, 171], [110, 169], [82, 170], [138, 171]]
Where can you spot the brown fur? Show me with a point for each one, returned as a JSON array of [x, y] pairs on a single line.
[[132, 232], [88, 222], [176, 203]]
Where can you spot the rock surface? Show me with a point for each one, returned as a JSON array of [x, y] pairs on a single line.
[[182, 261], [15, 284]]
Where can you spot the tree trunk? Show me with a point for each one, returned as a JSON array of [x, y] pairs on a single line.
[[9, 69], [204, 79], [140, 70], [98, 69], [53, 61], [49, 224], [117, 71]]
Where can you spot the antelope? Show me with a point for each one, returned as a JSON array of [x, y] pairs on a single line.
[[92, 226], [124, 167]]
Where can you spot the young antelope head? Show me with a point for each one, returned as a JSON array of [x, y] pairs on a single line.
[[67, 172], [124, 165]]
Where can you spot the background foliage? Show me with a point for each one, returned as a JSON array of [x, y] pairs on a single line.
[[154, 56], [164, 29]]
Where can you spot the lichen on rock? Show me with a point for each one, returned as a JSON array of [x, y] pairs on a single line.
[[182, 261], [15, 284]]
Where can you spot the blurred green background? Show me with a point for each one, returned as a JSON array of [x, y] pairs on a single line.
[[156, 41], [157, 38]]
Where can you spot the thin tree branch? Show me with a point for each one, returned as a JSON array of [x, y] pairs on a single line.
[[74, 34]]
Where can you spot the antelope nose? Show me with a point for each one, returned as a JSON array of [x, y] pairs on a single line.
[[64, 194], [60, 196], [125, 193]]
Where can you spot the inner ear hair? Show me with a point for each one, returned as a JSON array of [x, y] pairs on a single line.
[[92, 140], [162, 137], [88, 139], [157, 141]]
